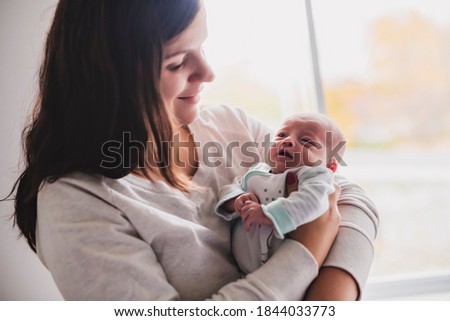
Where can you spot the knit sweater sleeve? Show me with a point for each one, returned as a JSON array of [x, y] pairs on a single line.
[[95, 253], [352, 251], [227, 193], [267, 282]]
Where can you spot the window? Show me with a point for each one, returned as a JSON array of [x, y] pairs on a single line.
[[259, 51], [385, 79]]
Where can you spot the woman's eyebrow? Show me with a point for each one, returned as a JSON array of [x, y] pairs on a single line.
[[176, 54]]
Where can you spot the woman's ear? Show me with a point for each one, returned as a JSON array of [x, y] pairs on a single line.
[[332, 165]]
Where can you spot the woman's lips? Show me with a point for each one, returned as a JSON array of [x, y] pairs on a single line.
[[191, 99]]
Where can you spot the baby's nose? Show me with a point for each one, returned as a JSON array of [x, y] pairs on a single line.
[[288, 141]]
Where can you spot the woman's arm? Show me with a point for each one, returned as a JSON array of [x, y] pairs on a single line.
[[94, 252], [333, 284], [318, 235], [310, 242], [345, 271], [284, 277]]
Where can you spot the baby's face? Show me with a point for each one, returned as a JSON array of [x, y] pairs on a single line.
[[299, 142]]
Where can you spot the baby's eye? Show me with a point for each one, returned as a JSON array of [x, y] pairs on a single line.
[[307, 142], [281, 135]]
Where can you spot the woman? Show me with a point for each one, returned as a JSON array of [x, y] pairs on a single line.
[[117, 198]]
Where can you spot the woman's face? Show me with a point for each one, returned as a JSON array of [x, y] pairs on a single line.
[[184, 70]]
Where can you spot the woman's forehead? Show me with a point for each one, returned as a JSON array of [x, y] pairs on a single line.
[[189, 39]]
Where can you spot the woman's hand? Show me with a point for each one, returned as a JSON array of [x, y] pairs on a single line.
[[318, 235]]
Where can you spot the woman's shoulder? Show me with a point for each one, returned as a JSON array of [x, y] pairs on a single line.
[[92, 190], [75, 198], [75, 187]]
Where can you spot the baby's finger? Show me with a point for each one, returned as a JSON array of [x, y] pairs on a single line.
[[247, 206], [237, 205], [253, 198], [244, 216], [247, 226], [248, 223]]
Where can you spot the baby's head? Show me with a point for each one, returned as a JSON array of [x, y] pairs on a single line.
[[307, 139]]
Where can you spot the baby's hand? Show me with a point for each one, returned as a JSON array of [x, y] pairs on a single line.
[[241, 199], [252, 213]]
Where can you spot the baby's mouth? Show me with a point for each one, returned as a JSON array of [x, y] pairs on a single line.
[[285, 153]]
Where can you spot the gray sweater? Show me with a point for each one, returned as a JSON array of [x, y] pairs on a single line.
[[130, 239]]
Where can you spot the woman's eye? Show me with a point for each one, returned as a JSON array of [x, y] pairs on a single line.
[[175, 67]]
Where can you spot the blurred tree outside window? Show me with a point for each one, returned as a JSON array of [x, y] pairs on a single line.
[[386, 76]]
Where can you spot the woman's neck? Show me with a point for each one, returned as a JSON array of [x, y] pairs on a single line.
[[184, 152], [184, 156]]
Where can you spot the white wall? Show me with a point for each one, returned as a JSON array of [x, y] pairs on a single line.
[[23, 26]]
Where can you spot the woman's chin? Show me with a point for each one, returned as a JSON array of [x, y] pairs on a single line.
[[187, 115]]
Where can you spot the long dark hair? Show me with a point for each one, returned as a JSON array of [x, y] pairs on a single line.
[[98, 80]]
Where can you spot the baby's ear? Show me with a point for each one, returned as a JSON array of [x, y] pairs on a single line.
[[332, 165]]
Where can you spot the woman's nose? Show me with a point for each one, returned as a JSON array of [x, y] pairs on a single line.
[[209, 74], [202, 72]]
